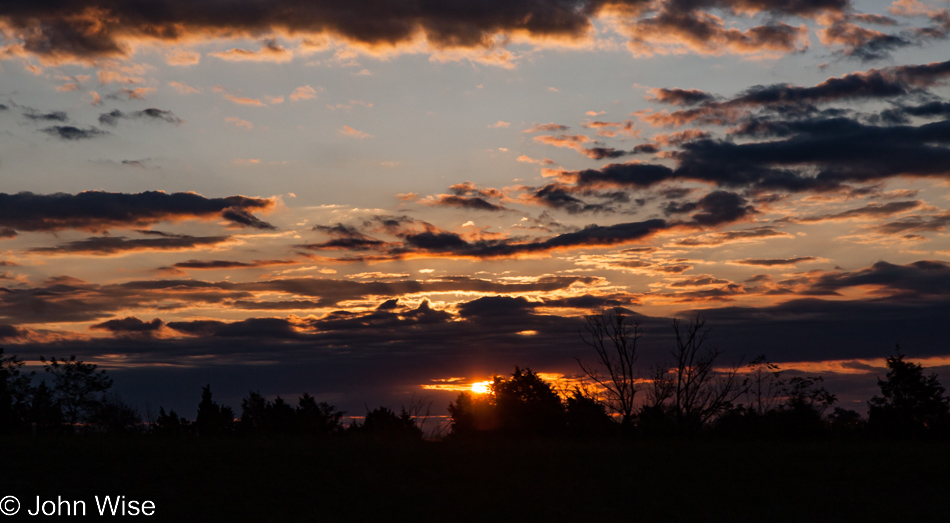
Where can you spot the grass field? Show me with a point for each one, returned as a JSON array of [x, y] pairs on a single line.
[[289, 479]]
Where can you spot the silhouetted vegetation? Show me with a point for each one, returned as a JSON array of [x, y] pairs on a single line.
[[534, 449], [691, 395], [910, 403]]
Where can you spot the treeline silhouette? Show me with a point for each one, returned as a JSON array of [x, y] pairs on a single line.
[[691, 395]]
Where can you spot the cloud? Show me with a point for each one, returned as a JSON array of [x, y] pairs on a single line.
[[871, 210], [238, 122], [271, 51], [70, 133], [677, 96], [107, 245], [922, 279], [87, 30], [226, 264], [151, 114], [130, 326], [182, 58], [99, 210], [547, 127], [772, 262], [243, 218], [244, 100], [55, 116], [137, 93], [475, 203], [184, 88], [349, 131], [500, 125], [576, 142], [303, 93], [716, 208]]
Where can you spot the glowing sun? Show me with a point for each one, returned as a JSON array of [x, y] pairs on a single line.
[[482, 387]]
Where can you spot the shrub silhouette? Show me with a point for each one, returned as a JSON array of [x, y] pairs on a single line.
[[382, 423]]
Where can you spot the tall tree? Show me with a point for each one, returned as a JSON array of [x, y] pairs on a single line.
[[613, 336], [691, 388], [77, 387], [212, 418]]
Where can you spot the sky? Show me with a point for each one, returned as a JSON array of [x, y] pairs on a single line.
[[378, 202]]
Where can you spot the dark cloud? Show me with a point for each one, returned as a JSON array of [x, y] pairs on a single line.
[[112, 118], [106, 245], [771, 262], [558, 196], [475, 203], [98, 210], [719, 238], [10, 332], [245, 219], [225, 264], [869, 210], [874, 84], [90, 29], [6, 232], [130, 325], [938, 222], [55, 116], [862, 43], [496, 306], [922, 279], [547, 127], [344, 237], [676, 96], [68, 132], [699, 281], [71, 300], [715, 208]]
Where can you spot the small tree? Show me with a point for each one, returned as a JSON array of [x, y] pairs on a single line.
[[77, 388], [909, 402], [613, 335]]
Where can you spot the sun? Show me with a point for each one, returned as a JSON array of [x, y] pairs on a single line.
[[481, 387]]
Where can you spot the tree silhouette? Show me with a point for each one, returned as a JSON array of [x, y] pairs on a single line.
[[690, 390], [170, 423], [910, 403], [14, 394], [383, 423], [76, 387], [114, 416], [212, 419], [44, 413], [586, 416], [526, 405], [317, 418], [473, 414], [613, 335]]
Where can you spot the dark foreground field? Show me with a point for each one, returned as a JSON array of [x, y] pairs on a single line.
[[300, 480]]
